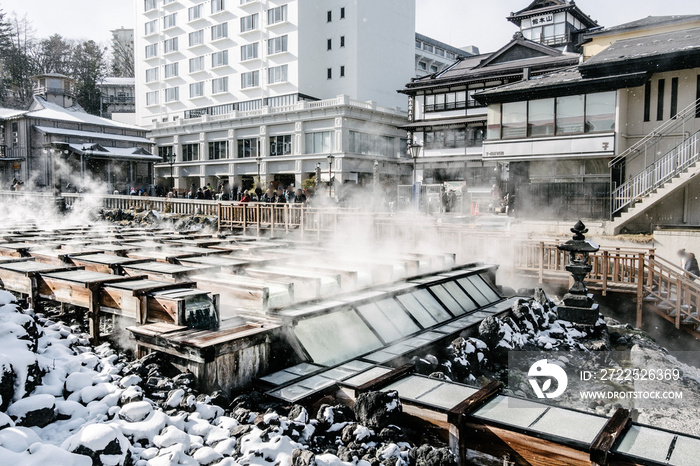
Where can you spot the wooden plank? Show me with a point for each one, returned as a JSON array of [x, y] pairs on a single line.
[[618, 423], [386, 379]]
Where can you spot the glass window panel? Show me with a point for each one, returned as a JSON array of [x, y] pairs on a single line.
[[494, 122], [292, 393], [600, 112], [303, 369], [380, 357], [685, 451], [433, 307], [569, 424], [356, 365], [462, 298], [447, 395], [541, 117], [647, 443], [474, 292], [413, 387], [338, 373], [398, 316], [316, 382], [512, 411], [380, 322], [417, 310], [336, 337], [570, 114], [366, 376], [485, 288], [446, 298], [514, 119], [279, 378]]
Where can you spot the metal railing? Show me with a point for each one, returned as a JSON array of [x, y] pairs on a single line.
[[635, 270], [657, 174], [665, 129]]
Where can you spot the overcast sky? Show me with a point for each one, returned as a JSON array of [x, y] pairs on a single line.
[[457, 22]]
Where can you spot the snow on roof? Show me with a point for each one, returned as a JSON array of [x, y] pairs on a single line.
[[75, 114], [124, 153], [11, 112], [112, 81], [648, 22], [92, 134]]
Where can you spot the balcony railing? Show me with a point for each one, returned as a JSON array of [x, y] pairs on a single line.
[[12, 152]]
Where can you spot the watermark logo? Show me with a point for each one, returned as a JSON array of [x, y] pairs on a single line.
[[549, 371]]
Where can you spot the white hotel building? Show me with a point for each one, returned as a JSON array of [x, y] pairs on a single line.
[[237, 88]]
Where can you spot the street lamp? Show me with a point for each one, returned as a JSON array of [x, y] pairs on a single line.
[[330, 173], [375, 174], [317, 181], [170, 158], [258, 160], [413, 149]]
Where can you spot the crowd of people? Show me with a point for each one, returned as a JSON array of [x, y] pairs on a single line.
[[273, 194]]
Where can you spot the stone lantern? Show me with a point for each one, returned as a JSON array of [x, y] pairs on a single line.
[[578, 305]]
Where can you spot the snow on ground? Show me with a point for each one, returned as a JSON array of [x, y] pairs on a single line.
[[65, 402]]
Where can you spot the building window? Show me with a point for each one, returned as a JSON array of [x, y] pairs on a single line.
[[194, 12], [281, 145], [647, 101], [277, 15], [150, 4], [170, 45], [439, 52], [196, 64], [342, 13], [197, 89], [570, 115], [218, 150], [219, 31], [277, 74], [247, 148], [151, 75], [342, 41], [152, 98], [319, 143], [151, 50], [172, 94], [277, 45], [660, 100], [371, 144], [448, 101], [151, 27], [249, 51], [249, 23], [697, 98], [329, 73], [674, 97], [493, 122], [422, 66], [342, 71], [600, 112], [219, 85], [329, 44], [329, 16], [217, 6], [250, 79], [433, 69], [219, 58], [514, 122], [170, 21], [419, 44], [164, 152], [428, 48], [190, 152], [540, 117], [196, 38], [171, 70]]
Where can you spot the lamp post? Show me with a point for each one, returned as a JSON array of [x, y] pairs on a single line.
[[330, 174], [171, 157], [317, 181], [258, 160], [413, 150], [375, 175]]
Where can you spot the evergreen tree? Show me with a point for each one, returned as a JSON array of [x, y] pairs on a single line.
[[89, 67]]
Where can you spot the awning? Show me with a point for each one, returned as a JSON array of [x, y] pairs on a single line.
[[98, 151], [443, 123], [92, 135]]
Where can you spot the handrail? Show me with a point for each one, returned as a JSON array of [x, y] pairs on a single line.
[[624, 269], [680, 117], [657, 174]]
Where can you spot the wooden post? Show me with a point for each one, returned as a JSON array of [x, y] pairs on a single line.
[[541, 277], [33, 297], [302, 226], [257, 218], [640, 288], [605, 272], [604, 441], [650, 277], [218, 218], [679, 296], [93, 313]]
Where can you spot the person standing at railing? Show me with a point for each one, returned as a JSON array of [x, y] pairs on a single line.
[[691, 266]]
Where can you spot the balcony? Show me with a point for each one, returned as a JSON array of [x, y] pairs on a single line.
[[12, 153]]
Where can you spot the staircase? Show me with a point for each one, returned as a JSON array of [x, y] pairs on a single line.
[[659, 286], [660, 178]]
